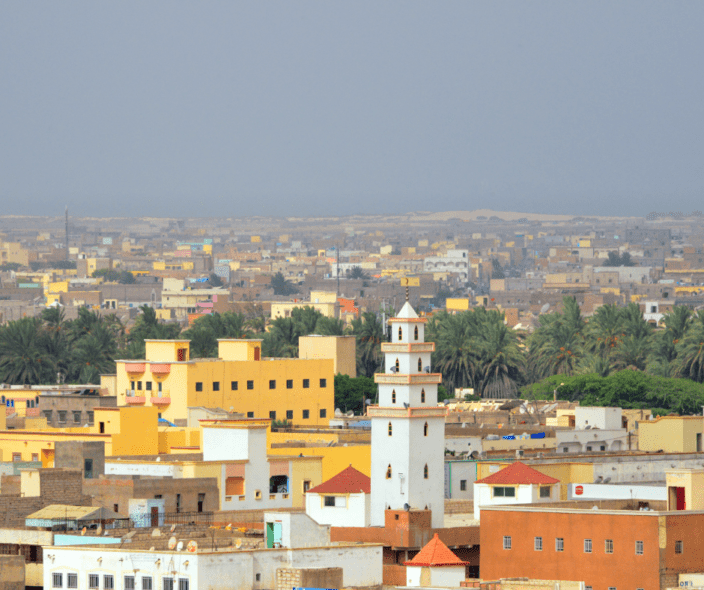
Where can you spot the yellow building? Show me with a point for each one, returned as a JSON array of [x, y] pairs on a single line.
[[181, 303], [341, 349], [298, 390], [323, 301], [453, 305], [14, 252], [671, 434]]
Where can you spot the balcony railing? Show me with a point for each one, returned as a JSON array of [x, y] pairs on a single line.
[[422, 412], [162, 400], [135, 399], [407, 346], [403, 379]]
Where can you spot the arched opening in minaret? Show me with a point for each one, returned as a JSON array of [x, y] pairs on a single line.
[[415, 333], [425, 471], [388, 472], [400, 333], [391, 429], [398, 366], [393, 396], [425, 429], [420, 364], [422, 396]]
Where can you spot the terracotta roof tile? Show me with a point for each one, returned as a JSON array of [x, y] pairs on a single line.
[[518, 473], [435, 554], [348, 481]]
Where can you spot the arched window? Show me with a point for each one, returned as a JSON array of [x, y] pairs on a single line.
[[425, 471], [393, 396], [388, 472], [400, 333], [422, 396], [415, 333], [391, 429], [425, 429], [398, 366], [420, 364]]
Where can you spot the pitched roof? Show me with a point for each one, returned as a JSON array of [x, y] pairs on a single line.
[[435, 554], [518, 473], [348, 481], [407, 312]]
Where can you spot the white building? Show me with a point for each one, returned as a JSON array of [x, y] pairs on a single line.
[[455, 261], [435, 566], [344, 500], [107, 568], [596, 429], [408, 427], [515, 484]]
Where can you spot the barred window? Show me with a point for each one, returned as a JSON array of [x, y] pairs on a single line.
[[639, 547], [507, 542], [587, 545], [71, 580], [538, 543], [93, 581], [108, 582], [609, 546], [129, 583], [57, 581], [559, 544]]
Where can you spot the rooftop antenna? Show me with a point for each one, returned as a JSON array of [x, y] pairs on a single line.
[[66, 233]]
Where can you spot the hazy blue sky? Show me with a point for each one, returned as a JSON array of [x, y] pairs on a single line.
[[244, 108]]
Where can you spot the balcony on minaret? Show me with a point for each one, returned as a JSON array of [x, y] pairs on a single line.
[[409, 412], [407, 378]]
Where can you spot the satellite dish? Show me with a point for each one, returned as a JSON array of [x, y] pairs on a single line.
[[192, 546], [350, 413], [405, 405], [545, 308], [427, 369], [179, 547], [129, 535], [158, 459], [172, 543], [368, 402], [83, 531], [406, 507], [99, 530], [151, 549], [156, 533], [238, 543], [228, 527], [173, 527]]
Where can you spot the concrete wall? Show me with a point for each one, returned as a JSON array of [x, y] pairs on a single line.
[[289, 578], [457, 472], [350, 510], [12, 572], [617, 492], [72, 455], [602, 418]]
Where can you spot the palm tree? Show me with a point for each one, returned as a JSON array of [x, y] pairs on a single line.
[[370, 334], [282, 339], [93, 355], [604, 330], [282, 286], [329, 327], [690, 351], [456, 353], [23, 357], [501, 362]]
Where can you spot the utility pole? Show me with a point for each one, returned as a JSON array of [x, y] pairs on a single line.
[[338, 269], [66, 233]]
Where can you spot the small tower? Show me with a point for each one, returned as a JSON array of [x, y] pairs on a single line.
[[408, 427]]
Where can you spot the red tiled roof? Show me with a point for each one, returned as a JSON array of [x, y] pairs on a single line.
[[435, 554], [348, 481], [518, 473]]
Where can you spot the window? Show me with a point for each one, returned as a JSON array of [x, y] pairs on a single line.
[[108, 582], [420, 365], [128, 583], [306, 485], [538, 543], [93, 581], [132, 385], [587, 545], [168, 584], [272, 415], [306, 383], [250, 414], [233, 385], [149, 385], [398, 366], [57, 581], [564, 449], [463, 485], [289, 383], [62, 416], [47, 415], [609, 546], [257, 577], [180, 357], [502, 492], [388, 472], [391, 429], [589, 448], [90, 417], [71, 580], [329, 500], [545, 491], [639, 547], [678, 547], [507, 542], [272, 384], [306, 414], [16, 457], [559, 544], [216, 385], [612, 587], [250, 384], [199, 386], [415, 333], [178, 502], [289, 414], [422, 396], [88, 468], [257, 494], [425, 429], [400, 333], [183, 584], [116, 508], [425, 471], [35, 456], [139, 386], [77, 417], [323, 413], [323, 383]]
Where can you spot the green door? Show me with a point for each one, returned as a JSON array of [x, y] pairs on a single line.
[[269, 535]]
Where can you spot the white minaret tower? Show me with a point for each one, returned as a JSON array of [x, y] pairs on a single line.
[[408, 427]]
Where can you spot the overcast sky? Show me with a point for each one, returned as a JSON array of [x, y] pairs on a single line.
[[247, 108]]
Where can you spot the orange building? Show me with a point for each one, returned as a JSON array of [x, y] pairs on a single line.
[[615, 546]]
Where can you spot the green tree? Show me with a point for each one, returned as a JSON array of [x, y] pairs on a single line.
[[357, 272], [369, 333], [329, 327], [351, 393], [282, 286], [23, 356]]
